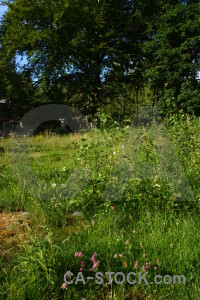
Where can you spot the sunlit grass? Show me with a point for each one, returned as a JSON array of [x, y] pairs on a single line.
[[148, 223]]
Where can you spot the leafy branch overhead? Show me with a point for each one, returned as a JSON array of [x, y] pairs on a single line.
[[91, 54]]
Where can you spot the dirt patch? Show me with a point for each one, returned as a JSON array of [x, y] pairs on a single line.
[[13, 230]]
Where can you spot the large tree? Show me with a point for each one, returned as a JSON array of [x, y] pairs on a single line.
[[78, 48], [173, 53]]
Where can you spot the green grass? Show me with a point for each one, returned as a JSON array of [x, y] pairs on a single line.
[[138, 194]]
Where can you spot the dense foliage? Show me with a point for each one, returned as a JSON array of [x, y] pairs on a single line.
[[121, 193], [102, 54]]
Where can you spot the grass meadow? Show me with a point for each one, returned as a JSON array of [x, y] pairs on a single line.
[[109, 200]]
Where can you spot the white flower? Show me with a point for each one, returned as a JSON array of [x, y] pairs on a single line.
[[114, 153], [53, 185]]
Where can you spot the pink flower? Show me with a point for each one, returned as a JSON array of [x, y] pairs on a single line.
[[136, 264], [113, 207], [80, 254], [93, 258], [64, 286], [115, 256], [76, 254], [148, 213], [81, 269], [155, 268], [96, 264], [82, 264], [127, 242], [143, 268], [148, 265], [68, 273]]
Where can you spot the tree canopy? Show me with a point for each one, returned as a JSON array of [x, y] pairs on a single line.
[[90, 54]]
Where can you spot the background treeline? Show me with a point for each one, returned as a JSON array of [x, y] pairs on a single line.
[[102, 54]]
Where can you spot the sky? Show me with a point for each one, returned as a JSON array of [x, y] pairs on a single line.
[[2, 10]]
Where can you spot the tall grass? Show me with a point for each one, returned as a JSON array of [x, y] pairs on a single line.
[[127, 194]]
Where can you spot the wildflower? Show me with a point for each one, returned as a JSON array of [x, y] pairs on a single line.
[[82, 263], [143, 268], [68, 274], [80, 254], [121, 255], [125, 264], [126, 178], [122, 146], [81, 269], [63, 169], [76, 254], [158, 262], [127, 242], [96, 264], [64, 286], [56, 205], [115, 256], [114, 153], [148, 213], [93, 258], [144, 255], [113, 207], [155, 268], [133, 231], [53, 185], [136, 264]]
